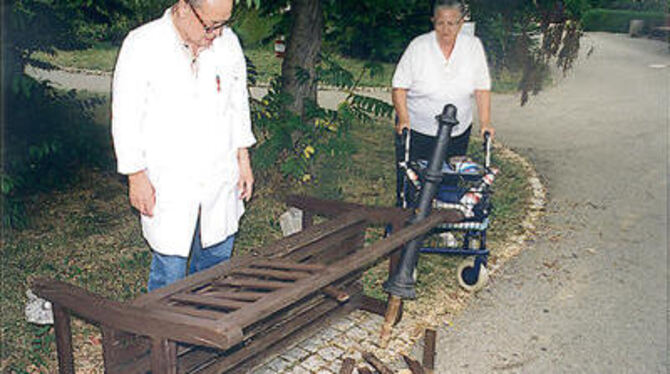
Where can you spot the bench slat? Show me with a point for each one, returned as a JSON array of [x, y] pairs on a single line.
[[252, 283], [209, 301], [232, 295], [360, 260], [282, 247], [287, 265], [277, 274]]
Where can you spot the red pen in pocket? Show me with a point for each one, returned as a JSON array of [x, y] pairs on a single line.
[[218, 83]]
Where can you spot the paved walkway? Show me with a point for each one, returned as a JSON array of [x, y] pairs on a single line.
[[590, 295]]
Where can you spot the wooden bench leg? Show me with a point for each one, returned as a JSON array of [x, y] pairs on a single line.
[[63, 340], [307, 219], [123, 351], [163, 356]]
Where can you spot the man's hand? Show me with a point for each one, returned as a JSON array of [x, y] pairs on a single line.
[[246, 182], [141, 192]]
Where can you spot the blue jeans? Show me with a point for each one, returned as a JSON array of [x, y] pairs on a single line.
[[169, 269]]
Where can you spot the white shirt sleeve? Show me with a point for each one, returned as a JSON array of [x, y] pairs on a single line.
[[129, 90], [243, 137], [403, 77], [481, 77]]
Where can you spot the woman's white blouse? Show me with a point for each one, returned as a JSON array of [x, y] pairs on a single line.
[[433, 81], [182, 122]]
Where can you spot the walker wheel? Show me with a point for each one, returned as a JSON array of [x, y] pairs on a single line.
[[467, 277]]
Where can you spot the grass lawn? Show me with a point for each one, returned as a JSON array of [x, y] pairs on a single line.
[[103, 57], [86, 234]]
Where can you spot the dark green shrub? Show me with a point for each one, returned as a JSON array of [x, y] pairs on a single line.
[[612, 20], [374, 29], [48, 137], [639, 5]]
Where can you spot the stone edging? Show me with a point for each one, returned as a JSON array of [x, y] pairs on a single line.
[[411, 328]]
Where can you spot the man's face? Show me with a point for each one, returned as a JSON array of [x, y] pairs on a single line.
[[208, 20], [447, 23]]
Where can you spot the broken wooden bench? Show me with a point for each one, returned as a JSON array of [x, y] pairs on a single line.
[[226, 318]]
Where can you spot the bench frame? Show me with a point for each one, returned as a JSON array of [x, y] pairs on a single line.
[[149, 333]]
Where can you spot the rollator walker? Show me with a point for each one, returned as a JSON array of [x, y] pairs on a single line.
[[466, 187]]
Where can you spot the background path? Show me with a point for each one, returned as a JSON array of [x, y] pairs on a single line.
[[591, 294]]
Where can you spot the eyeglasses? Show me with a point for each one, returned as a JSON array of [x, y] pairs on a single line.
[[449, 23], [207, 29]]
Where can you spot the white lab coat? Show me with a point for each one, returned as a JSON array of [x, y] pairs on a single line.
[[182, 123]]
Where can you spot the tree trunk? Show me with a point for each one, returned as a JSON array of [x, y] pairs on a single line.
[[302, 51]]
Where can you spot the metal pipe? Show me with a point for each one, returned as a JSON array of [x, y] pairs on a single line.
[[401, 282]]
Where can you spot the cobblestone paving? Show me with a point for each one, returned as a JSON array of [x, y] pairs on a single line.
[[348, 336]]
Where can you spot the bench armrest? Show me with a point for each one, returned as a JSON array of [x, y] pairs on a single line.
[[148, 322]]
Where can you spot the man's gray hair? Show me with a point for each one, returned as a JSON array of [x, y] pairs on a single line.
[[449, 4]]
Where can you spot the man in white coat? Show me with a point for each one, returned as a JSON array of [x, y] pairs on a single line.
[[181, 129]]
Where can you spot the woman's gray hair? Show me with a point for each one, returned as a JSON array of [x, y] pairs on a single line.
[[195, 3], [449, 4]]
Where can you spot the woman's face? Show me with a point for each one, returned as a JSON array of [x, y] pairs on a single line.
[[447, 23]]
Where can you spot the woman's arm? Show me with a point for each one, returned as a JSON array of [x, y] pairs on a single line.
[[483, 99], [399, 97]]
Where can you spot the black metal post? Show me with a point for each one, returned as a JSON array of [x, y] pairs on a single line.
[[401, 282]]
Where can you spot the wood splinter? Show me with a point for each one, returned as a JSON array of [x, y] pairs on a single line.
[[392, 311], [336, 293], [414, 365], [376, 363], [429, 350], [348, 366], [364, 370]]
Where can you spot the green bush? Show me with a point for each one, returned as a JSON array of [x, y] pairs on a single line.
[[252, 28], [612, 20], [297, 146], [638, 5]]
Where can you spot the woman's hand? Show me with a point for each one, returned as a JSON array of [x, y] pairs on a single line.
[[487, 128], [400, 125]]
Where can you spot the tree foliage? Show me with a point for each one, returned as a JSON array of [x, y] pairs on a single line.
[[47, 134], [521, 37], [375, 29], [295, 144], [525, 36]]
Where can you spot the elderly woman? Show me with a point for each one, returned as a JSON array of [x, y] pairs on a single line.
[[442, 67]]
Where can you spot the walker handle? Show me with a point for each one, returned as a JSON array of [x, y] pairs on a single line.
[[487, 148], [406, 141]]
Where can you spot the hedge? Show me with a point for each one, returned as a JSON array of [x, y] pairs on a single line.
[[612, 20]]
